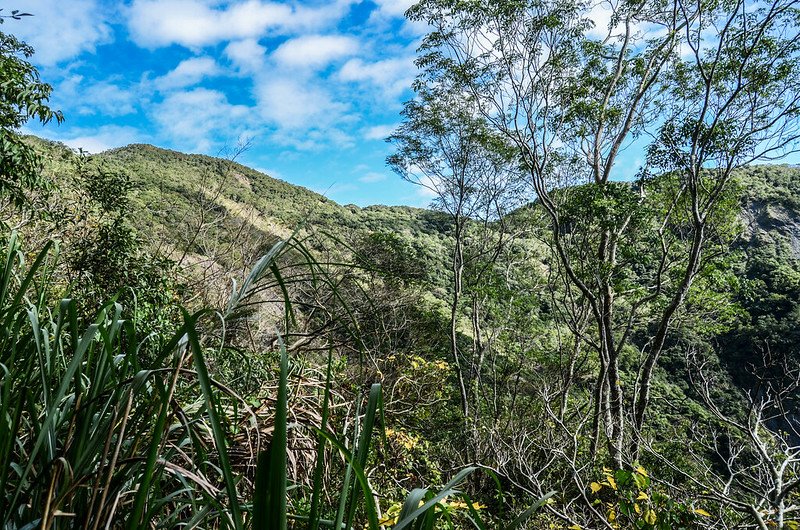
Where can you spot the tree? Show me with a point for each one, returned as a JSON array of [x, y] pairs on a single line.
[[446, 147], [22, 97], [702, 87]]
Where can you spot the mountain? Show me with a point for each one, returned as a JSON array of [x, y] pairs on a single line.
[[221, 210], [175, 196], [212, 218]]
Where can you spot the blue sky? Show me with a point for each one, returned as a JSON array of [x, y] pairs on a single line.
[[316, 85]]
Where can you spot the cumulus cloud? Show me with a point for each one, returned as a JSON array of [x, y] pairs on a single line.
[[601, 13], [389, 11], [188, 73], [113, 97], [61, 30], [379, 132], [247, 55], [336, 188], [199, 116], [394, 8], [194, 23], [315, 139], [314, 51], [391, 76], [109, 99], [197, 23], [372, 177], [291, 104], [101, 139], [427, 187]]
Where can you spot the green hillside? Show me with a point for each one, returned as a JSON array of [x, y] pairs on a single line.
[[157, 229], [204, 206], [218, 209]]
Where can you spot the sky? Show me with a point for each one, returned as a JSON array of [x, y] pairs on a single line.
[[314, 85]]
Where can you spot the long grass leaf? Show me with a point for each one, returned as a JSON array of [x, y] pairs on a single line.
[[524, 516], [447, 490], [316, 492], [374, 404], [213, 417], [269, 504], [369, 501]]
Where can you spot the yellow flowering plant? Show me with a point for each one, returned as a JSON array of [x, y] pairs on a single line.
[[627, 499]]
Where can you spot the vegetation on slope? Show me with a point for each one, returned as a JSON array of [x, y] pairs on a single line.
[[631, 346]]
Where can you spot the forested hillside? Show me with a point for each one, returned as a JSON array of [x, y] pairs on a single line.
[[196, 224], [557, 343]]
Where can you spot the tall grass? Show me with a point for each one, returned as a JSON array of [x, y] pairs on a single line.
[[91, 439]]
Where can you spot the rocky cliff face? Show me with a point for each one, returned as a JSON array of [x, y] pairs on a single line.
[[774, 223]]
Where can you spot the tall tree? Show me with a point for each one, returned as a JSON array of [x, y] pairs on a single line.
[[446, 147], [714, 85]]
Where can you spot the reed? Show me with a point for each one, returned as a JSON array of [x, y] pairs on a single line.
[[92, 439]]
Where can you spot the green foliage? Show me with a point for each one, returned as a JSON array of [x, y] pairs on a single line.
[[22, 97], [111, 259], [629, 499], [77, 410], [393, 255]]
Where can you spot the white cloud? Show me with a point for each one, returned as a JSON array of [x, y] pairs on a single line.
[[313, 139], [268, 172], [60, 30], [293, 104], [188, 73], [102, 139], [427, 186], [314, 51], [196, 23], [77, 95], [390, 76], [108, 99], [379, 132], [247, 55], [336, 188], [389, 11], [394, 8], [373, 177], [600, 14], [199, 116]]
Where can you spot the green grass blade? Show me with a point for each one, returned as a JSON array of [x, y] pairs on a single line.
[[316, 493], [361, 477], [269, 504], [474, 517], [213, 417], [412, 502], [524, 516], [447, 490], [374, 404], [51, 414], [143, 493], [344, 495]]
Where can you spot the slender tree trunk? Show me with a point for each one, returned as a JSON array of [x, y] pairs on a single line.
[[478, 355], [646, 373], [458, 273]]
